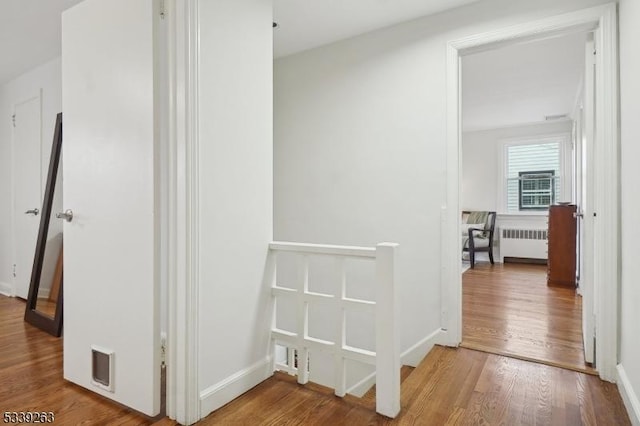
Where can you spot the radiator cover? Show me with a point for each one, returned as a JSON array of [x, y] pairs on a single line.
[[523, 242]]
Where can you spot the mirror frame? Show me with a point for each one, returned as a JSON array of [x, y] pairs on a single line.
[[53, 325]]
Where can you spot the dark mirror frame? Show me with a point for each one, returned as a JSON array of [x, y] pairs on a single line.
[[53, 325]]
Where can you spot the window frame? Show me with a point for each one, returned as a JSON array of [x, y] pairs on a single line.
[[565, 173]]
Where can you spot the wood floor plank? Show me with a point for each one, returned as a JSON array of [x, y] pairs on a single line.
[[31, 377], [508, 309], [496, 389], [449, 387]]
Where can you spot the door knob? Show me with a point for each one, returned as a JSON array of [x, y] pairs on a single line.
[[578, 215], [67, 215], [33, 212]]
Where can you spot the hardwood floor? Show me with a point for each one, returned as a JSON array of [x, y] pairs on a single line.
[[31, 376], [509, 310], [450, 387]]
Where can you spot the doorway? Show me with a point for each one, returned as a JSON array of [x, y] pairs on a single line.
[[520, 107], [27, 189], [602, 22]]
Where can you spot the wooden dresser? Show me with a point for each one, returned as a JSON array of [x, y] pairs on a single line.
[[562, 246]]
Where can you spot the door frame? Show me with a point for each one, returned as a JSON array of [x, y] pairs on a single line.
[[586, 226], [36, 94], [183, 393], [602, 20]]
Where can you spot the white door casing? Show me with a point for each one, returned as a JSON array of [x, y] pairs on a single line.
[[27, 189], [603, 21], [586, 207], [606, 217], [183, 392], [109, 152]]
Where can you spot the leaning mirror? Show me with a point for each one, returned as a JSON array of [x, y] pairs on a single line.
[[44, 303]]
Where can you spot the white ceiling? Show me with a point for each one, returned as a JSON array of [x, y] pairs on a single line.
[[305, 24], [30, 32], [522, 83]]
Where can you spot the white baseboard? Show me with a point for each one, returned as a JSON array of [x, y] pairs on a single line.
[[629, 396], [411, 357], [6, 289], [416, 353], [363, 386], [233, 386]]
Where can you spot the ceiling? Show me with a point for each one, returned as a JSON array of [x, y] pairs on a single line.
[[30, 32], [305, 24], [522, 83]]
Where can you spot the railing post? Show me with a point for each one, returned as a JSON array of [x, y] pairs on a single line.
[[303, 321], [387, 340], [341, 330], [270, 281]]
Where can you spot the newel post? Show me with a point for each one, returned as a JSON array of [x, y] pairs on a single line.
[[387, 339]]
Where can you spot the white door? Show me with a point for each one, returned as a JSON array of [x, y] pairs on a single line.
[[109, 154], [27, 200], [586, 224]]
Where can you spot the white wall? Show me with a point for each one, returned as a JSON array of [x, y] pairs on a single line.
[[481, 162], [236, 145], [360, 143], [630, 180], [47, 78]]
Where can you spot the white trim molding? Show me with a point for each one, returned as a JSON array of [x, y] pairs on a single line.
[[416, 353], [411, 357], [363, 386], [183, 396], [607, 199], [233, 386], [629, 396], [602, 20], [6, 289]]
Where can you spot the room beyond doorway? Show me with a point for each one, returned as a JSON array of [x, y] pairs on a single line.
[[508, 309], [602, 21]]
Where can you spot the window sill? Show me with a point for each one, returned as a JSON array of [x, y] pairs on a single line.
[[523, 214]]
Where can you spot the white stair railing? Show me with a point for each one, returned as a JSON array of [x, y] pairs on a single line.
[[386, 358]]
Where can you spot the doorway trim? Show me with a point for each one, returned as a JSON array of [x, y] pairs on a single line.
[[183, 394], [602, 20]]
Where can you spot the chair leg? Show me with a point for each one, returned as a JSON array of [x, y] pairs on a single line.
[[472, 258], [491, 256]]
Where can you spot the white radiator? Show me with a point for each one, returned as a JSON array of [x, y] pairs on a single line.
[[528, 243]]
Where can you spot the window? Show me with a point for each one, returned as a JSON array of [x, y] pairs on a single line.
[[533, 171], [536, 190]]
